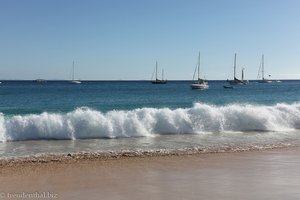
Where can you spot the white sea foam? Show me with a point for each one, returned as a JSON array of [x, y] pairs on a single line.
[[147, 122]]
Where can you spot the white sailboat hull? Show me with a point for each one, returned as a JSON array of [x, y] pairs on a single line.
[[265, 81], [75, 82], [201, 86]]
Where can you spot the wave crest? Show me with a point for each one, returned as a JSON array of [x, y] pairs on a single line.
[[201, 118]]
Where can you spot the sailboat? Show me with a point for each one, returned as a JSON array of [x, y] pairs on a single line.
[[261, 72], [159, 81], [235, 80], [244, 81], [199, 83], [39, 80], [73, 81]]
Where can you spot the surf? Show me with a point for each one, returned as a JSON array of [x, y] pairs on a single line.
[[201, 118]]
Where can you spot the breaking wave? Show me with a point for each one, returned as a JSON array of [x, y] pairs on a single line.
[[147, 122]]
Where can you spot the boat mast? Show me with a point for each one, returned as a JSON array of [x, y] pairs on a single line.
[[162, 74], [243, 74], [262, 67], [234, 65], [73, 71], [156, 71], [199, 66]]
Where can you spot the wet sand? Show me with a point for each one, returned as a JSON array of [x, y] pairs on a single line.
[[271, 174]]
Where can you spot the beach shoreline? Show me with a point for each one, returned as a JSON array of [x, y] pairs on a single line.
[[74, 157], [267, 174]]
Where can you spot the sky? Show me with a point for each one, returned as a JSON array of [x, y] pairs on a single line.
[[122, 39]]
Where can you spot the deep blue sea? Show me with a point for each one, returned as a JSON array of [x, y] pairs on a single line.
[[59, 117]]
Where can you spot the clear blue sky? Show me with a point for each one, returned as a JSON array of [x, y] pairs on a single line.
[[122, 39]]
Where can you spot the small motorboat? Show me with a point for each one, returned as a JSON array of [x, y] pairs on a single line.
[[228, 86]]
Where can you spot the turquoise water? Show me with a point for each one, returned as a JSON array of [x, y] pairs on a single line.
[[26, 97], [57, 117]]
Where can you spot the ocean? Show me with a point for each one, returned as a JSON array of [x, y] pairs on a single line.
[[111, 116]]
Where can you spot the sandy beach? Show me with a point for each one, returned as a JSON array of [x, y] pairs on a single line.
[[271, 174]]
